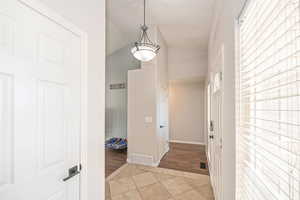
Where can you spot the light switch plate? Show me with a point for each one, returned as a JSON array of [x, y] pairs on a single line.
[[148, 119]]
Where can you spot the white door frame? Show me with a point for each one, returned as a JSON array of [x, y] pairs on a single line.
[[50, 14]]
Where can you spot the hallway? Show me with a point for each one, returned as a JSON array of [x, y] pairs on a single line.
[[185, 157], [182, 157], [178, 176]]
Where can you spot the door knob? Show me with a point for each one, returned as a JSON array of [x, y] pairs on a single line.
[[72, 172], [211, 137]]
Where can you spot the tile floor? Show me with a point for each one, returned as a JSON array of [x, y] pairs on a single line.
[[137, 182]]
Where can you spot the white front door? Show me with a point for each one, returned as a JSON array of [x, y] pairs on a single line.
[[216, 144], [40, 62], [209, 128], [215, 124]]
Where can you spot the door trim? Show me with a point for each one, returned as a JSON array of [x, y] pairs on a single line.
[[50, 14]]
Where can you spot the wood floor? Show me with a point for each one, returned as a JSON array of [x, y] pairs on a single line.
[[185, 157], [114, 160]]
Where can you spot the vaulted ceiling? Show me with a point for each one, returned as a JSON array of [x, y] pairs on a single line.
[[183, 23]]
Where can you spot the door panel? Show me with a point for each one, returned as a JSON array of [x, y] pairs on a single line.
[[6, 131], [6, 34], [51, 124], [163, 121], [39, 105]]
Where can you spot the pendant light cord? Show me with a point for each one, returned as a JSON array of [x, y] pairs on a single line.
[[144, 12]]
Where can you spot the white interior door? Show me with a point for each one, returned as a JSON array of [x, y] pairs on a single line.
[[164, 121], [39, 105]]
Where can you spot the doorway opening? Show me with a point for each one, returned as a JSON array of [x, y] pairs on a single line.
[[118, 63]]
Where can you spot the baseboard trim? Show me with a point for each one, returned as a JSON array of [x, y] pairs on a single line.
[[163, 154], [187, 142], [141, 159]]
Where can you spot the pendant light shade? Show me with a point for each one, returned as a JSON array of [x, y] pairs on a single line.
[[144, 49], [143, 53]]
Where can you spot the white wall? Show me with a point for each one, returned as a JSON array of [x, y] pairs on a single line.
[[147, 92], [187, 63], [187, 111], [116, 39], [89, 15], [142, 105], [117, 66], [223, 33]]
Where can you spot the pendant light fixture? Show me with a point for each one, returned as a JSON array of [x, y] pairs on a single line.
[[144, 49]]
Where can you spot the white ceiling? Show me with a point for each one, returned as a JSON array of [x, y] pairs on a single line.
[[183, 23]]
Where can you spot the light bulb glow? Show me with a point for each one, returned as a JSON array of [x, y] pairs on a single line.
[[143, 53]]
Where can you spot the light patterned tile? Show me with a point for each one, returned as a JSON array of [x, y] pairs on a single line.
[[157, 170], [176, 186], [138, 182], [190, 195], [130, 195], [163, 177], [144, 179], [128, 171], [146, 168], [150, 168], [154, 192], [201, 177], [207, 191], [172, 172], [121, 186], [197, 184]]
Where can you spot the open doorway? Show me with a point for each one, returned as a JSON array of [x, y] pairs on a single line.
[[164, 128], [118, 63]]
